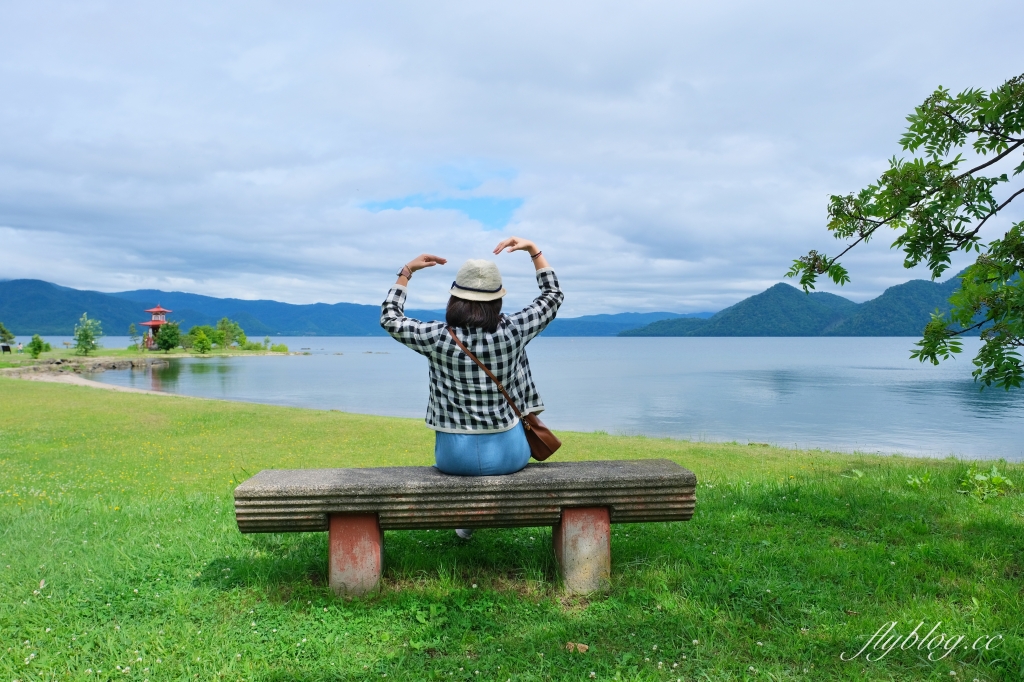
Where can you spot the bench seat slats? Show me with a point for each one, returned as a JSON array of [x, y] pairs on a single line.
[[277, 501]]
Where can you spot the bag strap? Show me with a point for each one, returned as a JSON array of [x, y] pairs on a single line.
[[488, 372]]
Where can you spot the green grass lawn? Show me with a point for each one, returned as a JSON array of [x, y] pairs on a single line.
[[120, 559]]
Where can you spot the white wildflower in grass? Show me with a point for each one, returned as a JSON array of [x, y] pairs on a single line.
[[751, 669], [760, 643], [593, 674], [238, 657], [696, 642], [654, 648]]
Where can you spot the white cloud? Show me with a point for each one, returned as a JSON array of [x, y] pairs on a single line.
[[669, 156]]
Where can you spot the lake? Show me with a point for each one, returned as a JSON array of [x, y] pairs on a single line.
[[849, 394]]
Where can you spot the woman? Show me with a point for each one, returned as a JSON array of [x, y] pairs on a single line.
[[478, 434]]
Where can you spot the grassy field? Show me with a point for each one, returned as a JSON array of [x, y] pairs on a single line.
[[119, 558]]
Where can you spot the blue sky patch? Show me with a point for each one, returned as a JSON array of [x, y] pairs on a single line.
[[493, 213]]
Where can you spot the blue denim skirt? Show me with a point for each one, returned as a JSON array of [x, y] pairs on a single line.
[[483, 454]]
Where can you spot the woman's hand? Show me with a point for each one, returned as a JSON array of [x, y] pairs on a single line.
[[517, 244], [425, 260]]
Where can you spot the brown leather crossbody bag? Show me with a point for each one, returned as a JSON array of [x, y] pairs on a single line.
[[542, 442]]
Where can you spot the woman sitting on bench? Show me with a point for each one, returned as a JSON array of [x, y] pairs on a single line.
[[477, 433]]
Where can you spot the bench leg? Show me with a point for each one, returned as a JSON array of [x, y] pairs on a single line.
[[355, 544], [583, 547]]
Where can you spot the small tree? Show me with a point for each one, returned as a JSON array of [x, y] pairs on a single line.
[[169, 337], [5, 336], [266, 343], [215, 336], [87, 332], [230, 330], [36, 346], [133, 334], [201, 343]]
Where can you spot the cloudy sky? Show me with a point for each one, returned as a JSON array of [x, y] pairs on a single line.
[[664, 155]]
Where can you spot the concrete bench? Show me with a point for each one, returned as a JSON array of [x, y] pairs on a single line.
[[579, 499]]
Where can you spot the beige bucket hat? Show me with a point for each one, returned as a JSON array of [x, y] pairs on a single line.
[[478, 280]]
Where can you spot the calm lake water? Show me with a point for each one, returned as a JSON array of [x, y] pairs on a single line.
[[847, 394]]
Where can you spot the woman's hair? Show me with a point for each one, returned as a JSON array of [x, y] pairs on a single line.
[[482, 314]]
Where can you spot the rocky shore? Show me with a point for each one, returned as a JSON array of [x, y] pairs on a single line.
[[86, 365], [70, 371]]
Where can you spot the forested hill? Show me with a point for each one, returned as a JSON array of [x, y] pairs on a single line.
[[37, 307], [784, 310], [29, 306]]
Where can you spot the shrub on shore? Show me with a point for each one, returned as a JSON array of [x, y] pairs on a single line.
[[201, 343], [87, 334], [169, 337], [37, 346]]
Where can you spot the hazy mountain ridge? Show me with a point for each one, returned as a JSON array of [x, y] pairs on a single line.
[[784, 310], [38, 307]]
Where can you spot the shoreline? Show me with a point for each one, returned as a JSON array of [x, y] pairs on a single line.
[[69, 371]]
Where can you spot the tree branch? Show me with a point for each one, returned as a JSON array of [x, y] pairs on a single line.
[[964, 331], [989, 162], [998, 208]]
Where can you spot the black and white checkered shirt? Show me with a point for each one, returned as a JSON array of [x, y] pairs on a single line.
[[462, 398]]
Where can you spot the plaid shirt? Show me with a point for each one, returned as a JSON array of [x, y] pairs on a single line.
[[462, 398]]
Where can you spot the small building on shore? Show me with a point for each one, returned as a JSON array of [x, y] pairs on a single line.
[[159, 319]]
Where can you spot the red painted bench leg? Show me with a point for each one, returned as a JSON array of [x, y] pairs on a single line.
[[583, 547], [355, 544]]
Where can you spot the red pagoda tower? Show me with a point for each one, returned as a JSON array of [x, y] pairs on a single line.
[[159, 319]]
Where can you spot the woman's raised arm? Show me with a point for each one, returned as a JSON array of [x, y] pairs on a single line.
[[518, 244], [424, 260]]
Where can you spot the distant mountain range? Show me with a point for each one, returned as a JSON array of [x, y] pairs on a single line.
[[29, 306], [784, 310], [36, 307], [610, 325]]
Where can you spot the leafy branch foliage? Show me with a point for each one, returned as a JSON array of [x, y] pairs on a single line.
[[939, 209]]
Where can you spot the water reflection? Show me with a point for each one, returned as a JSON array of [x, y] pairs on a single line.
[[833, 393]]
